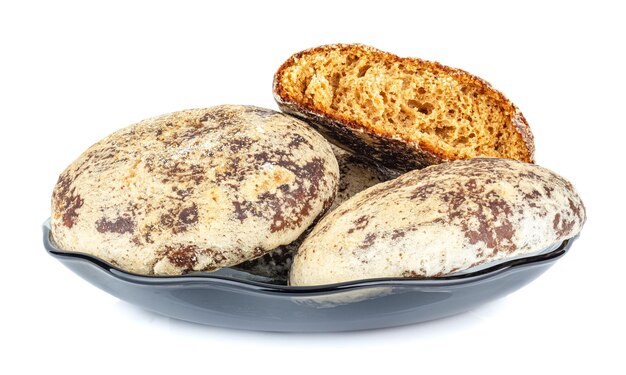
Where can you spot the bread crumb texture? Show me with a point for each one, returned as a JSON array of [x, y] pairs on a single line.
[[442, 111], [438, 220], [195, 190]]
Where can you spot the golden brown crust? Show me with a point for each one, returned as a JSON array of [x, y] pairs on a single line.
[[388, 147]]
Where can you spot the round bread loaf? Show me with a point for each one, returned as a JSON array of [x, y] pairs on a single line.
[[355, 174], [439, 220], [195, 190]]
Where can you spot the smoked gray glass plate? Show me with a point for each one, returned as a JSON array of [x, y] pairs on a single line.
[[235, 299]]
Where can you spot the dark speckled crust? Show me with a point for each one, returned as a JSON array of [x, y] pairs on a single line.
[[390, 151], [195, 190], [439, 220]]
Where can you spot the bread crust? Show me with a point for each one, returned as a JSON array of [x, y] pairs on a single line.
[[442, 219], [195, 190], [387, 148]]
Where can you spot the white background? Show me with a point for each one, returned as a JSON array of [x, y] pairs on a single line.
[[71, 73]]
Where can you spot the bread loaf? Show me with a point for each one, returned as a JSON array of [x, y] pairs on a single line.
[[195, 190], [405, 113], [439, 220]]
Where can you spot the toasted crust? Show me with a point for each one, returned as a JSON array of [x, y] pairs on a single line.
[[441, 219], [195, 190], [386, 147]]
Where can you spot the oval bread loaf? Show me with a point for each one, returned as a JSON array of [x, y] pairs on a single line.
[[355, 175], [195, 190], [439, 220], [405, 113]]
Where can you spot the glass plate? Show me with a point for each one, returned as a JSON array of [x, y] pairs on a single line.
[[235, 299]]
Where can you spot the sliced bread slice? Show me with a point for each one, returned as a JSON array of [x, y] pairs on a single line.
[[405, 113]]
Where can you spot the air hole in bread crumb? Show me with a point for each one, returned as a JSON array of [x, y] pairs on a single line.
[[350, 60], [413, 103], [445, 131], [425, 108], [421, 90], [334, 80], [363, 70]]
